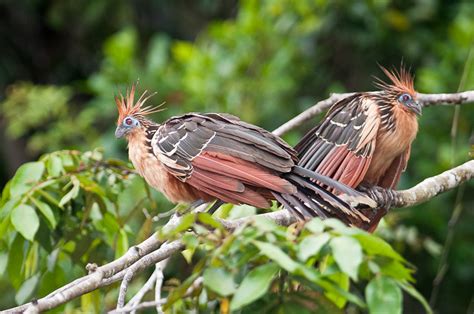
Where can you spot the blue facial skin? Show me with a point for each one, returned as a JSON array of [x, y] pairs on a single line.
[[127, 125], [408, 101]]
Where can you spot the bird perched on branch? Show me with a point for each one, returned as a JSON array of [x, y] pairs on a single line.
[[366, 138], [216, 156]]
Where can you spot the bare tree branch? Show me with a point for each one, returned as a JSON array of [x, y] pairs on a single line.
[[137, 298], [149, 252], [425, 99], [160, 266], [427, 189]]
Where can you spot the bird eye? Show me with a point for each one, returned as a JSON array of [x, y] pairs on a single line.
[[128, 121], [404, 98]]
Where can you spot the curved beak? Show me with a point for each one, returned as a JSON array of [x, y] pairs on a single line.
[[120, 132], [416, 107]]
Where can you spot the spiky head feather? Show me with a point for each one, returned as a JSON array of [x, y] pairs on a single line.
[[401, 81], [128, 107]]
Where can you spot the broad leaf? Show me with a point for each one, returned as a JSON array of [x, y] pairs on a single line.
[[275, 253], [46, 210], [25, 177], [376, 246], [27, 288], [348, 255], [383, 296], [25, 220], [311, 245], [219, 280], [254, 285]]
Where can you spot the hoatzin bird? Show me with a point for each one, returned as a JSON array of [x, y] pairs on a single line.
[[218, 157], [366, 138]]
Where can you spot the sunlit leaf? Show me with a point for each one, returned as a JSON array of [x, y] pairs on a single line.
[[25, 220], [25, 177], [376, 246], [315, 225], [311, 245], [348, 255], [73, 192], [46, 210]]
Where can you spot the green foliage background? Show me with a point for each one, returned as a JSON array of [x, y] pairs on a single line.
[[62, 62]]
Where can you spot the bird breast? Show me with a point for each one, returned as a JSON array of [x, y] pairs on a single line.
[[155, 173], [391, 142]]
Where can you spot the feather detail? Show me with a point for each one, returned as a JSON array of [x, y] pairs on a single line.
[[241, 170]]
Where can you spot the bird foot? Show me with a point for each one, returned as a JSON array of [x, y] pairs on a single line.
[[385, 198]]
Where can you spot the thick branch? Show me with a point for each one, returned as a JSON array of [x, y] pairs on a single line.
[[425, 99], [429, 188]]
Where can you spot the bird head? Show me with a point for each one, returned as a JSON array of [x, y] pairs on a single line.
[[400, 91], [132, 114]]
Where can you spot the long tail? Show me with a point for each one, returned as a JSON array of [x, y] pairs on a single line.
[[312, 199]]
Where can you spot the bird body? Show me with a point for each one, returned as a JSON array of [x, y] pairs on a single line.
[[366, 138], [217, 156]]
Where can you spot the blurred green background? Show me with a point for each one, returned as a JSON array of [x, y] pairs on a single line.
[[61, 63]]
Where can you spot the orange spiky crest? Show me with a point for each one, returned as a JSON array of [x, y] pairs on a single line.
[[401, 82], [128, 107]]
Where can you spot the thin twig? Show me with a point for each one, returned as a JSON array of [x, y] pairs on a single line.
[[137, 298], [133, 308], [159, 267]]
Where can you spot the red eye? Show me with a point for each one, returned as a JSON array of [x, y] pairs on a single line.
[[128, 121], [404, 98]]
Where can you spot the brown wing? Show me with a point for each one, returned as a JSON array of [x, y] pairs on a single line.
[[342, 145], [224, 157]]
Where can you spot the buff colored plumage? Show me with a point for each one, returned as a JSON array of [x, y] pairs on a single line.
[[366, 138]]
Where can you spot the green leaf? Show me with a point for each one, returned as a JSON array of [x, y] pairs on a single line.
[[72, 193], [122, 244], [311, 245], [25, 177], [342, 281], [54, 165], [383, 296], [376, 246], [25, 220], [348, 255], [276, 254], [414, 293], [219, 280], [89, 185], [254, 285], [335, 224], [45, 209], [26, 290], [184, 224], [315, 225], [396, 270], [15, 261], [3, 262], [208, 220]]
